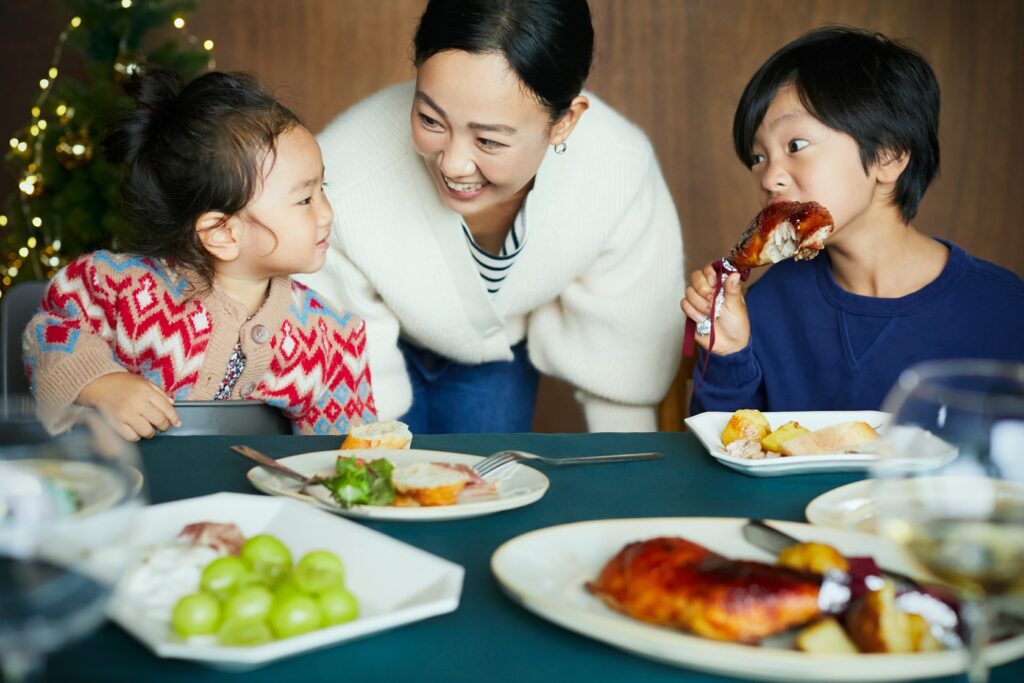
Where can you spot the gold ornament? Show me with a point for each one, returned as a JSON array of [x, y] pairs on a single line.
[[127, 65], [31, 184], [73, 150]]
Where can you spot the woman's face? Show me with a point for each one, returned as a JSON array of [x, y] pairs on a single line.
[[482, 134]]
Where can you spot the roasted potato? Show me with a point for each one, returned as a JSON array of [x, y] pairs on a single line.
[[813, 557], [876, 624], [773, 441], [921, 634], [745, 424], [825, 637]]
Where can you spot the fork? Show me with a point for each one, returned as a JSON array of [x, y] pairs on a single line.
[[502, 458]]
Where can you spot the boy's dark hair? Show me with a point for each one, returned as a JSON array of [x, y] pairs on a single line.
[[188, 151], [879, 91], [548, 43]]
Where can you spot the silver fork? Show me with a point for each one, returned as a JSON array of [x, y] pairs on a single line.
[[502, 458]]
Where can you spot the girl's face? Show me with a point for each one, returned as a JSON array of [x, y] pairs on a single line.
[[796, 157], [289, 221], [482, 134]]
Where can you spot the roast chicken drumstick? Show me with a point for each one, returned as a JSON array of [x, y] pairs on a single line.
[[780, 231]]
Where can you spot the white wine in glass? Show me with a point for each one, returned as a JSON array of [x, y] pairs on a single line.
[[949, 483]]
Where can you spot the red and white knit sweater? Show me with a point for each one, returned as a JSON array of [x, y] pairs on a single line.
[[106, 312]]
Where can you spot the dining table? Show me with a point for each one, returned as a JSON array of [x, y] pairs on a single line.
[[489, 638]]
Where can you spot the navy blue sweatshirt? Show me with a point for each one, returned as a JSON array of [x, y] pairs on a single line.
[[815, 346]]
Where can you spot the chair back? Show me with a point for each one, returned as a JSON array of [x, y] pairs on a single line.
[[18, 305], [675, 407], [229, 418]]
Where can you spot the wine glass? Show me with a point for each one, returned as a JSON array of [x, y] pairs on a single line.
[[949, 483], [68, 503]]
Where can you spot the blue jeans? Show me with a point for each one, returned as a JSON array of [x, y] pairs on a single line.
[[450, 397]]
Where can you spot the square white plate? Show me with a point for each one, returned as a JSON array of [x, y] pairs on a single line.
[[546, 571], [395, 583], [517, 485], [708, 428]]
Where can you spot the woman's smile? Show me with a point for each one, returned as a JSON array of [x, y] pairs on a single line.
[[463, 190]]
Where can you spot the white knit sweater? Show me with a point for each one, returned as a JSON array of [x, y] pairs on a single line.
[[596, 291]]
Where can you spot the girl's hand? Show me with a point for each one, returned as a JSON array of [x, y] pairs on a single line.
[[732, 327], [135, 407]]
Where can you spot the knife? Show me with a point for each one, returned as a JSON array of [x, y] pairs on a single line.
[[774, 540]]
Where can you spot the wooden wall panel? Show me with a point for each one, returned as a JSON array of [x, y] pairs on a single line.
[[675, 67]]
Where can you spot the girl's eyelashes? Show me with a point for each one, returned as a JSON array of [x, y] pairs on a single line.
[[755, 159], [306, 201], [796, 145]]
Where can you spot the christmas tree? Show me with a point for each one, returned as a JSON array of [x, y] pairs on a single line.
[[68, 196]]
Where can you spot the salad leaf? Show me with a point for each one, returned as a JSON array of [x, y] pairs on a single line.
[[358, 482]]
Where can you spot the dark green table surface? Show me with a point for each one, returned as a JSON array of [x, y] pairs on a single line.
[[488, 638]]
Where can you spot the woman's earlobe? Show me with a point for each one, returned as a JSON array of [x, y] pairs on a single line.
[[218, 235], [565, 125]]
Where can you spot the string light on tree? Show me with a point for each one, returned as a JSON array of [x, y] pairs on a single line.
[[64, 204]]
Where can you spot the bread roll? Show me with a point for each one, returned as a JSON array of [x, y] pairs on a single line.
[[386, 434], [841, 438], [427, 483]]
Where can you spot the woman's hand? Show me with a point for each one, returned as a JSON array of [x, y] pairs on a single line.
[[732, 327], [135, 407]]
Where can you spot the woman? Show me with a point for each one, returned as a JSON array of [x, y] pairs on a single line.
[[521, 227]]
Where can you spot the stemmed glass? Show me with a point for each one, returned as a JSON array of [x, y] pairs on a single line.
[[949, 483], [68, 503]]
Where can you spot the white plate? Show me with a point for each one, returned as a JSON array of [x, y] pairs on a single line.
[[708, 428], [851, 506], [94, 488], [518, 485], [395, 583], [546, 570]]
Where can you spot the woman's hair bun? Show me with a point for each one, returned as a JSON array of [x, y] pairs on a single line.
[[154, 91]]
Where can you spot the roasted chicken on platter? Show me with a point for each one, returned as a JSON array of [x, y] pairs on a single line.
[[673, 582]]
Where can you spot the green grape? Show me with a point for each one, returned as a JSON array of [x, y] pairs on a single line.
[[293, 615], [224, 576], [338, 606], [319, 570], [244, 633], [196, 614], [251, 603], [286, 587], [270, 558]]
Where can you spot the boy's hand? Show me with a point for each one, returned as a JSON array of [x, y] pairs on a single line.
[[732, 327], [135, 407]]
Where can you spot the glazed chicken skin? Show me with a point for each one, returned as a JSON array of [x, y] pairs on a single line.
[[676, 583], [782, 230]]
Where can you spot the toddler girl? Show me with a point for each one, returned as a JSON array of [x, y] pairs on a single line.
[[224, 189]]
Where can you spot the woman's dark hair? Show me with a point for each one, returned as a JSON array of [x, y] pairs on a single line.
[[188, 151], [879, 91], [548, 43]]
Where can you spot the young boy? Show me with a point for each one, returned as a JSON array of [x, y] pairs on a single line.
[[848, 119]]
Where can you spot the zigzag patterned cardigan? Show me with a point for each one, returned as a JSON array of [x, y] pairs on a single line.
[[106, 312]]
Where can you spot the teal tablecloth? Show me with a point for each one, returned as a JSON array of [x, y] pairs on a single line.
[[489, 638]]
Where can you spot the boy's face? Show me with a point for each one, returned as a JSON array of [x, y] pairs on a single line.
[[796, 157], [292, 205]]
